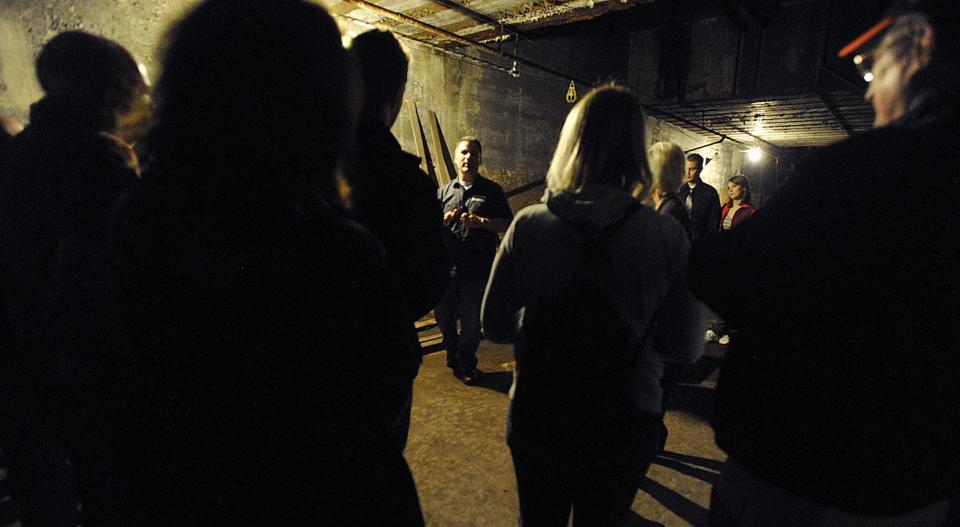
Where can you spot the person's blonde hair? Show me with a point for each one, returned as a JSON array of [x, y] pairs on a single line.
[[667, 167], [602, 142]]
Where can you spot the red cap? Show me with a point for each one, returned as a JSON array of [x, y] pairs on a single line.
[[943, 14], [868, 36]]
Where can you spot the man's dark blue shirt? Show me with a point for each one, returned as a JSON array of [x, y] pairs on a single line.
[[470, 252]]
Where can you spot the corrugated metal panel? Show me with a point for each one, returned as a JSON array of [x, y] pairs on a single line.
[[786, 121]]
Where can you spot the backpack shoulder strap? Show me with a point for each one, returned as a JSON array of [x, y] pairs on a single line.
[[592, 251]]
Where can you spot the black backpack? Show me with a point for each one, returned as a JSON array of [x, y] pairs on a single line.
[[578, 355]]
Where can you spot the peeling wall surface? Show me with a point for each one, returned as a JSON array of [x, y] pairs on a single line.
[[25, 25], [518, 119]]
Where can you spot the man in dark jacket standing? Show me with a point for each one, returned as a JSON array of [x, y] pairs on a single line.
[[854, 420], [701, 200], [393, 198], [61, 178]]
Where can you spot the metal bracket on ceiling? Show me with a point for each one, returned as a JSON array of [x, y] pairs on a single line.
[[718, 141]]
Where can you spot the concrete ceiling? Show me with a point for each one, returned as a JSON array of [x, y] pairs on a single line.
[[789, 121], [480, 20]]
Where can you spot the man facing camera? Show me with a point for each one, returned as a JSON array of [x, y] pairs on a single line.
[[475, 211], [701, 200]]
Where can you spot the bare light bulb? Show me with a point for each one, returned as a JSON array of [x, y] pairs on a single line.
[[754, 154]]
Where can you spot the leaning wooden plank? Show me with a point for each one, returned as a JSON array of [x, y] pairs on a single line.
[[441, 161], [419, 139]]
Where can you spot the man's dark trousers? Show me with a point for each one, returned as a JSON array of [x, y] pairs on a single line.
[[461, 301]]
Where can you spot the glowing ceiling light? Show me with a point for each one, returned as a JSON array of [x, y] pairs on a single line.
[[858, 60], [754, 154], [868, 76]]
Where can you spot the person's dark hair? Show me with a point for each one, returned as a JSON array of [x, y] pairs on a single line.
[[696, 158], [741, 181], [89, 72], [471, 139], [254, 108], [383, 67]]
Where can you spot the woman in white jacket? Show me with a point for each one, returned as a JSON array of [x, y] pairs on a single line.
[[590, 286]]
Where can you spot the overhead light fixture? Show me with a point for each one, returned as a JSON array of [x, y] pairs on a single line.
[[868, 76], [754, 154]]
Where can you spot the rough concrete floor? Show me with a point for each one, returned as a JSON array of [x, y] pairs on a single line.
[[462, 466]]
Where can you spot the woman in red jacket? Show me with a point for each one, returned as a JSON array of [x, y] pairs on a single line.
[[738, 207], [735, 210]]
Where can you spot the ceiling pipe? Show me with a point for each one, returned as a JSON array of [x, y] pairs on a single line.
[[480, 17], [718, 141], [404, 19], [431, 45]]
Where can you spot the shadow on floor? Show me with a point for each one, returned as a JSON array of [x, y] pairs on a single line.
[[679, 504], [430, 348], [426, 324], [635, 520], [703, 469], [498, 381], [700, 462]]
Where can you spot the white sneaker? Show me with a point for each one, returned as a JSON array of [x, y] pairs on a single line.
[[724, 340], [710, 336]]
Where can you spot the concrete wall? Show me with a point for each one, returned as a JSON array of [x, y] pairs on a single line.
[[518, 119], [25, 25], [710, 57]]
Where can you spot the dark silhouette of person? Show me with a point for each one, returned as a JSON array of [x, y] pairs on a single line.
[[853, 420], [9, 127], [391, 196], [271, 346], [61, 178]]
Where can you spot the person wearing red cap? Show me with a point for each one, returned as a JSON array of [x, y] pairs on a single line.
[[855, 420]]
